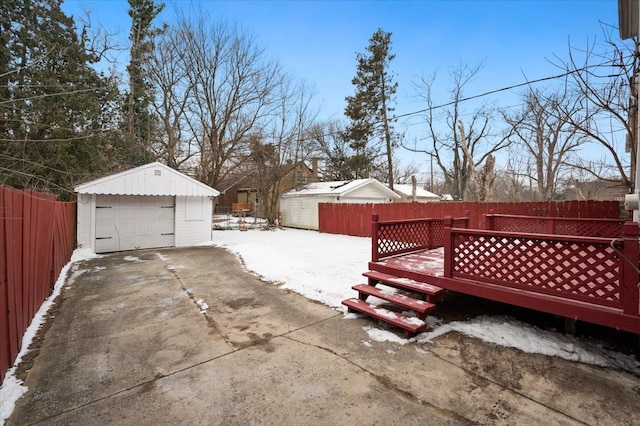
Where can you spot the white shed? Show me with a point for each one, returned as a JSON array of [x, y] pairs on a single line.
[[422, 195], [299, 207], [146, 207]]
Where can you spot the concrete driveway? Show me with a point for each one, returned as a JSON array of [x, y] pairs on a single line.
[[131, 342]]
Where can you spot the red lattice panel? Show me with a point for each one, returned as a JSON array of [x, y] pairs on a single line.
[[402, 237], [559, 226], [589, 228], [586, 271], [520, 224], [398, 237]]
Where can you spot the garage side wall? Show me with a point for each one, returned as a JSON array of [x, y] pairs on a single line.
[[193, 221], [86, 206], [302, 212]]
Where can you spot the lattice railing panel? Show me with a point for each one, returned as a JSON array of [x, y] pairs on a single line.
[[586, 271], [520, 224], [589, 228], [559, 226], [397, 237], [403, 237]]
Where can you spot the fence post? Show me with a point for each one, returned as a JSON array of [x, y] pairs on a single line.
[[630, 273], [487, 221], [448, 247], [374, 237], [551, 226]]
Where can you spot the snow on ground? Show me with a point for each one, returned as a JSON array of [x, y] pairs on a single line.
[[323, 267], [319, 266], [12, 388]]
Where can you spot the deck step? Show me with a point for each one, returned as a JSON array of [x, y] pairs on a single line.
[[433, 293], [410, 325], [420, 307]]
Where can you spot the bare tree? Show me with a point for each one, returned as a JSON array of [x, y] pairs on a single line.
[[283, 144], [515, 181], [404, 174], [233, 90], [175, 145], [334, 150], [444, 142], [605, 81], [543, 129]]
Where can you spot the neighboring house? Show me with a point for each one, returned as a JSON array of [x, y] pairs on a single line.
[[150, 206], [422, 195], [299, 207], [243, 189]]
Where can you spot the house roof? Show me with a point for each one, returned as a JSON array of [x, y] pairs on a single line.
[[407, 191], [149, 179], [340, 188]]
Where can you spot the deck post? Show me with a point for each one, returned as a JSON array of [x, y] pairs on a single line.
[[630, 275], [487, 221], [448, 248], [375, 225]]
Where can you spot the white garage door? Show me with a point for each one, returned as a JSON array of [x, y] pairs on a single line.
[[126, 222]]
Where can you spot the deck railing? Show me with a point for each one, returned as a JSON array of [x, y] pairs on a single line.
[[391, 238], [596, 270], [590, 227]]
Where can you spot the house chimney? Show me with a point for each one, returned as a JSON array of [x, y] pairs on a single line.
[[314, 166]]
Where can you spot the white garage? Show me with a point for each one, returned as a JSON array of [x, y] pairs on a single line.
[[150, 206], [299, 207]]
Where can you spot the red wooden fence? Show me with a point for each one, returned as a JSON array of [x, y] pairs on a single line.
[[37, 237], [355, 219]]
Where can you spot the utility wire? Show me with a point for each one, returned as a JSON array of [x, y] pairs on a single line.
[[491, 92]]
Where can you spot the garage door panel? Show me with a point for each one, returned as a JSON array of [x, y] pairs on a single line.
[[131, 222], [128, 213], [165, 227], [144, 228], [126, 228], [103, 213], [166, 213]]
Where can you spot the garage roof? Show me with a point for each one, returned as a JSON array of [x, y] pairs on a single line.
[[150, 179], [407, 191], [341, 188]]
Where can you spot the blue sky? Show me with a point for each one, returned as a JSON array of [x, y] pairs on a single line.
[[317, 41]]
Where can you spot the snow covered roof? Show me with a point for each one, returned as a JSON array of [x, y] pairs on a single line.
[[341, 188], [149, 179], [407, 191]]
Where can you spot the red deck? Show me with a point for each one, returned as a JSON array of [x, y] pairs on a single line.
[[592, 279]]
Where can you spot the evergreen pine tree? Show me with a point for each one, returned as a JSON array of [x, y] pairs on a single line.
[[369, 110], [56, 111], [140, 122]]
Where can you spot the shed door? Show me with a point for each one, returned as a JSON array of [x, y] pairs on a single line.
[[128, 222]]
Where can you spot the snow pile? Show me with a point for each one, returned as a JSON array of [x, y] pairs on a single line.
[[511, 333], [202, 305]]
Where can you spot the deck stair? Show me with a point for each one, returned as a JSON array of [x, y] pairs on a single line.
[[431, 293], [411, 325]]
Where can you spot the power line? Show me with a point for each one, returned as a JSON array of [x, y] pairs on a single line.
[[491, 92], [48, 95]]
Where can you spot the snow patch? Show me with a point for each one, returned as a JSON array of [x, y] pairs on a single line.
[[508, 332], [378, 335], [13, 388]]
